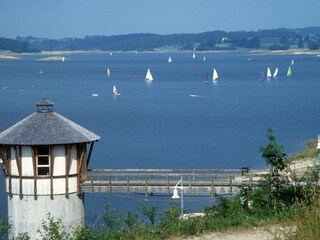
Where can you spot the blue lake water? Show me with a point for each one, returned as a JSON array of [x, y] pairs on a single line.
[[158, 124]]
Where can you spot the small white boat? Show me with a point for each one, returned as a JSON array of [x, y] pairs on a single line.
[[269, 73], [108, 72], [204, 58], [94, 94], [40, 70], [149, 75], [62, 59], [215, 75], [115, 91], [169, 60], [275, 74], [194, 55]]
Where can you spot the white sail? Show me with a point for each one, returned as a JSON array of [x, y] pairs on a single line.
[[275, 74], [169, 60], [194, 55], [115, 91], [215, 75], [108, 72], [62, 59], [149, 75], [204, 58], [269, 73]]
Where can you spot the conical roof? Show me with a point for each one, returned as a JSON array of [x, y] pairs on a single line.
[[46, 127]]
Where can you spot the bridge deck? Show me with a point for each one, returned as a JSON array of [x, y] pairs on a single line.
[[154, 181]]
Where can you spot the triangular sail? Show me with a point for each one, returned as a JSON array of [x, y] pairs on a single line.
[[292, 62], [289, 72], [115, 91], [269, 73], [215, 75], [194, 55], [169, 60], [149, 75], [275, 74], [108, 72]]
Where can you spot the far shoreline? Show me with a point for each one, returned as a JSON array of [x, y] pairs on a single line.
[[11, 55]]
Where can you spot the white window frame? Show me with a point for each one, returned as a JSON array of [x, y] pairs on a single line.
[[43, 165]]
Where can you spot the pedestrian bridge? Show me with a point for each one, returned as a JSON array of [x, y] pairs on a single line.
[[163, 181]]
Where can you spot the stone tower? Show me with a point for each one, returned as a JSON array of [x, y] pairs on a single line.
[[44, 160]]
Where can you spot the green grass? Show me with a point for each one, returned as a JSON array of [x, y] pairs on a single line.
[[311, 151]]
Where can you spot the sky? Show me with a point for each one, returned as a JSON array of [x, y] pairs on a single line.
[[79, 18]]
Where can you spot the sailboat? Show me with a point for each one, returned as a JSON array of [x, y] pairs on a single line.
[[204, 58], [261, 76], [108, 72], [40, 70], [292, 62], [62, 59], [206, 78], [115, 91], [194, 55], [269, 73], [169, 60], [275, 74], [289, 72], [149, 75], [215, 75]]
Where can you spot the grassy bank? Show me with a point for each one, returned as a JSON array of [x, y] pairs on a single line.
[[311, 151]]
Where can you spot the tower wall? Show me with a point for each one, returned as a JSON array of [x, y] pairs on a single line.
[[27, 214], [31, 196]]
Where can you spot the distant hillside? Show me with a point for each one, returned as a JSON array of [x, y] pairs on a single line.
[[273, 39], [16, 46]]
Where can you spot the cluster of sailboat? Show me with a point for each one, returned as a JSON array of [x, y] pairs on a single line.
[[215, 75], [275, 74], [276, 71]]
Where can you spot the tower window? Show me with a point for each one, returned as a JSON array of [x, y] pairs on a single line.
[[43, 161]]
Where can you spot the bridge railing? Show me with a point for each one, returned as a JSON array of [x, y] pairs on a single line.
[[149, 181]]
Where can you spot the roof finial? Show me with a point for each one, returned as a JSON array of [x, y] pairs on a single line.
[[44, 105]]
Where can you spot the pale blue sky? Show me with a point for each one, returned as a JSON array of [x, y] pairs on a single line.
[[78, 18]]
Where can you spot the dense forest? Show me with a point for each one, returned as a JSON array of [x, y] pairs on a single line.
[[272, 39]]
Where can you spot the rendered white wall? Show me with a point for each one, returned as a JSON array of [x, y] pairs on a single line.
[[26, 214]]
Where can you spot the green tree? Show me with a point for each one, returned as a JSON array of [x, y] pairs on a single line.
[[150, 211], [4, 227], [274, 186], [300, 43], [273, 154], [53, 229]]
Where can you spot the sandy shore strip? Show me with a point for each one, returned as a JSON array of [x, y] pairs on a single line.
[[9, 56]]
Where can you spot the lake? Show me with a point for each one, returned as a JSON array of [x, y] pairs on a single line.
[[175, 121]]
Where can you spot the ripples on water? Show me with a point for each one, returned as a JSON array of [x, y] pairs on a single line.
[[176, 121]]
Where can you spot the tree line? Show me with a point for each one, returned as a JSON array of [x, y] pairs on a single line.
[[272, 39]]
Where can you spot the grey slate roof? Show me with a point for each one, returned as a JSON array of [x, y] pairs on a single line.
[[46, 128]]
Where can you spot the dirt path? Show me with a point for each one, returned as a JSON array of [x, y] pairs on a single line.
[[256, 233]]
